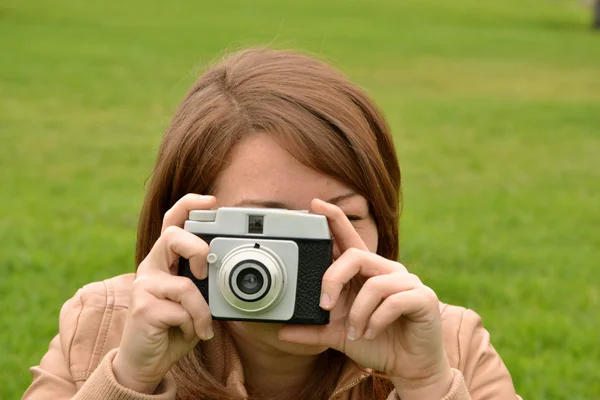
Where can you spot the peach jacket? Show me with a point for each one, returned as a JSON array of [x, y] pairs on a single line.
[[78, 362]]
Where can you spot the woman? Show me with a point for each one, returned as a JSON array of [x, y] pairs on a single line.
[[271, 129]]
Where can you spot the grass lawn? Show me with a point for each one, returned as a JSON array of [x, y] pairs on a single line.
[[495, 107]]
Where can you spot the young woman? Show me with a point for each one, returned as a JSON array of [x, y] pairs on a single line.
[[271, 129]]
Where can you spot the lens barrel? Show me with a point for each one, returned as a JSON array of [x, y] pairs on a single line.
[[252, 278]]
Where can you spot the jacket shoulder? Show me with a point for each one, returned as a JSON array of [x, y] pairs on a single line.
[[469, 349], [97, 294], [456, 322], [451, 322], [91, 323]]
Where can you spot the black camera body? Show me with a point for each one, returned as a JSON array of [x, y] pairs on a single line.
[[264, 265]]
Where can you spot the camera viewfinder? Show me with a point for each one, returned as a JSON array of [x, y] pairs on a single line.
[[255, 224]]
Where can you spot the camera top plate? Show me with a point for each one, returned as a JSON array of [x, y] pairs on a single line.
[[236, 221]]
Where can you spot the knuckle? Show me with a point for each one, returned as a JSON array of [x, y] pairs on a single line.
[[415, 279], [375, 322], [354, 316], [142, 268], [168, 215], [204, 318], [429, 295], [396, 301], [170, 232], [139, 283], [401, 267], [353, 252], [141, 307], [200, 314], [205, 315], [372, 283], [186, 285], [184, 201], [188, 197], [329, 281], [201, 247], [190, 201]]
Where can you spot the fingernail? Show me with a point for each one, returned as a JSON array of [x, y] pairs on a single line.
[[369, 334], [208, 334], [325, 301], [351, 333]]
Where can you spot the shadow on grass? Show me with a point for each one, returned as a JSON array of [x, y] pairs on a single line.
[[556, 25]]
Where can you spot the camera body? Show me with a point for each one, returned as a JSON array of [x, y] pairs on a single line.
[[264, 265]]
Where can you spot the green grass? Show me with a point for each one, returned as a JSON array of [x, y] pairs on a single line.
[[495, 107]]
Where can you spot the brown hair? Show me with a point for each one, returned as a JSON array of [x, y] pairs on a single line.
[[328, 123]]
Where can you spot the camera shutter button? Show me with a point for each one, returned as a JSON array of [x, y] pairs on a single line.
[[203, 215], [212, 258]]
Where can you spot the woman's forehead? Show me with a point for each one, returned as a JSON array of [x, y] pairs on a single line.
[[262, 173]]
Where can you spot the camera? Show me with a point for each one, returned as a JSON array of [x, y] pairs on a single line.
[[264, 265]]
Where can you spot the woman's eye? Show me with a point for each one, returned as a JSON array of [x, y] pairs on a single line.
[[353, 217]]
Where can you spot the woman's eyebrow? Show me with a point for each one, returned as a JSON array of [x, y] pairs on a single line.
[[337, 199], [260, 203], [277, 204]]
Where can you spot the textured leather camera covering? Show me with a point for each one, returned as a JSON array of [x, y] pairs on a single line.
[[315, 256], [314, 259], [184, 270]]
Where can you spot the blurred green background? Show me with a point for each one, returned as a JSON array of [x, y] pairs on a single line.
[[495, 107]]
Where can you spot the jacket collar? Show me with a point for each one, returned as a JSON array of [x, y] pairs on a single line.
[[223, 362]]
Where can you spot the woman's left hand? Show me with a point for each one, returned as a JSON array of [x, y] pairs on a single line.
[[392, 325]]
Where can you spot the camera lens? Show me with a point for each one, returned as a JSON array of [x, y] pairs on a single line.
[[249, 280]]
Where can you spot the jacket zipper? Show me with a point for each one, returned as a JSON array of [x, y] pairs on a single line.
[[347, 387]]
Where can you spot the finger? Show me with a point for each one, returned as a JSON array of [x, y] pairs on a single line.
[[181, 290], [344, 234], [348, 265], [173, 243], [169, 314], [188, 330], [373, 292], [178, 214], [419, 305]]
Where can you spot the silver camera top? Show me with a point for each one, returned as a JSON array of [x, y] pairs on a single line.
[[269, 222]]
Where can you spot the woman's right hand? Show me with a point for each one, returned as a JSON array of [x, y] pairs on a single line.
[[167, 314]]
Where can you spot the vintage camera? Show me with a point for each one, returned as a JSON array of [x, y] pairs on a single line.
[[264, 265]]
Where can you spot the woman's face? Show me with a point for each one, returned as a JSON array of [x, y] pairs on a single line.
[[263, 174]]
